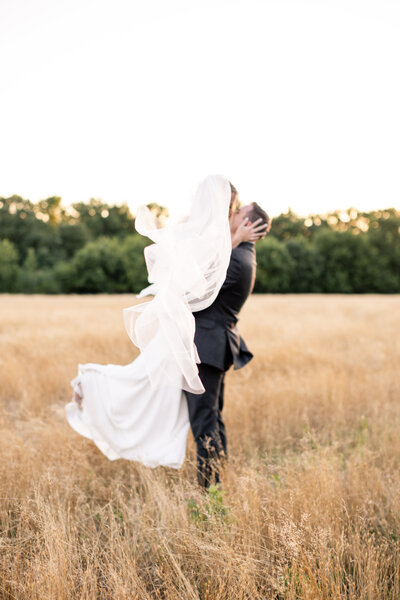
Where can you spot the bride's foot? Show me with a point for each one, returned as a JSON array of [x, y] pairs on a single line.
[[78, 394]]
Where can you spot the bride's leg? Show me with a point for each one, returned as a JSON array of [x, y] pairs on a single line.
[[78, 394]]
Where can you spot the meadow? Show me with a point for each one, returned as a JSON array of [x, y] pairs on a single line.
[[310, 503]]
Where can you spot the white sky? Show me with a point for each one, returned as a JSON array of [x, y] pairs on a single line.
[[296, 101]]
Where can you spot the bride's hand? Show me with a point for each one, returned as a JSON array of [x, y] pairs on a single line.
[[249, 232]]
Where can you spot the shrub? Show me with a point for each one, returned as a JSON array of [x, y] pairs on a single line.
[[275, 267], [100, 267], [136, 272], [308, 266], [8, 267]]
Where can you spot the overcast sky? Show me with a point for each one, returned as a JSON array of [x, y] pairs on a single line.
[[297, 102]]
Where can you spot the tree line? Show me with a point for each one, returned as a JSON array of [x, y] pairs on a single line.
[[93, 248]]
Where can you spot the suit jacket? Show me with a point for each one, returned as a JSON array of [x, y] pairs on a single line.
[[217, 337]]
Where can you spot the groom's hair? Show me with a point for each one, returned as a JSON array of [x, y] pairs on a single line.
[[256, 212]]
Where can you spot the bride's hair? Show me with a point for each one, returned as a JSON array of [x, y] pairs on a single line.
[[234, 193]]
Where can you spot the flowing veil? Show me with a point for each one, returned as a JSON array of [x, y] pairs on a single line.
[[187, 266], [138, 411]]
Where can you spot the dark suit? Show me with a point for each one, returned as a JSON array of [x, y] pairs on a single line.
[[219, 346]]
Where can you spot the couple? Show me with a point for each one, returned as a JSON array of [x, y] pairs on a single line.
[[201, 271]]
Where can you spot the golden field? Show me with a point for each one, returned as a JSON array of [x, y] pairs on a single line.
[[312, 502]]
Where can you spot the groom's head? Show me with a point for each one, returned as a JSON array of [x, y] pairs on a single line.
[[252, 212]]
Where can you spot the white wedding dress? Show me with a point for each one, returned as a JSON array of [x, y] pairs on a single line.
[[138, 411]]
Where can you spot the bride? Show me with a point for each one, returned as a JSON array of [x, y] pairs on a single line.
[[138, 411]]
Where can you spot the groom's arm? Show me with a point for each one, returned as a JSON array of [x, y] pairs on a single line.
[[241, 272]]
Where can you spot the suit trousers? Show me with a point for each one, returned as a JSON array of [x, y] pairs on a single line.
[[207, 425]]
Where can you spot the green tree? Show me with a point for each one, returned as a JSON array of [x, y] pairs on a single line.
[[104, 220], [136, 272], [308, 264], [8, 266], [17, 219], [73, 237], [64, 274], [46, 241], [384, 236], [275, 267], [23, 225], [46, 282], [288, 225], [50, 210], [28, 274], [351, 262], [100, 267]]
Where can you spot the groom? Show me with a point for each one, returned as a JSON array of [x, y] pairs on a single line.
[[220, 346]]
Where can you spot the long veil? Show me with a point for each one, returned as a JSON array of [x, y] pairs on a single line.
[[138, 411], [186, 265]]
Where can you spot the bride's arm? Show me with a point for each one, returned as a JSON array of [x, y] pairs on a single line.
[[249, 232]]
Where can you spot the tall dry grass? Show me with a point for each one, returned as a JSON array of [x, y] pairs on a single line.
[[312, 504]]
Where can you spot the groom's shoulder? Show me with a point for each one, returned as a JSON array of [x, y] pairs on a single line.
[[245, 252], [245, 248], [242, 264]]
